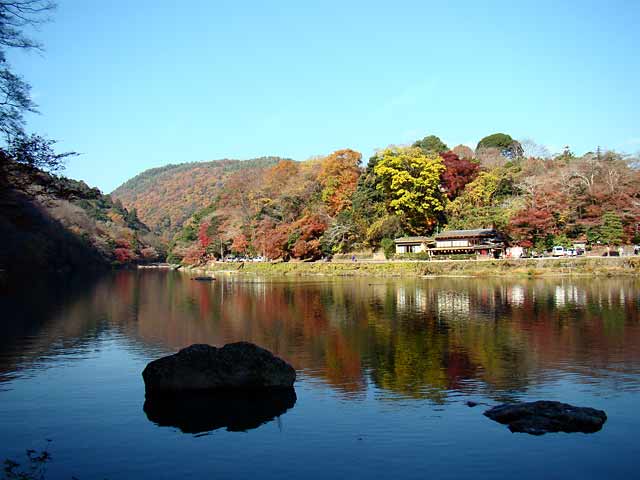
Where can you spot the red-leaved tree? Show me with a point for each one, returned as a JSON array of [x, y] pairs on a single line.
[[531, 224], [459, 172], [240, 244], [274, 241], [203, 235], [309, 230]]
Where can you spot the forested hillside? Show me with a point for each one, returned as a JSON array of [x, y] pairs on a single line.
[[320, 207], [52, 223], [167, 196]]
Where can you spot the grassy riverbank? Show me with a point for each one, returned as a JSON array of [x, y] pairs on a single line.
[[596, 266]]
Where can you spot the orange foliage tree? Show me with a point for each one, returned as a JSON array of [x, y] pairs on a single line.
[[194, 255], [339, 175], [273, 239], [307, 233], [240, 244], [278, 175]]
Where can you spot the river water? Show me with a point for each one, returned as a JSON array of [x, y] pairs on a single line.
[[385, 368]]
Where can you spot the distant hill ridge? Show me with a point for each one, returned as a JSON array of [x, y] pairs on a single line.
[[165, 197]]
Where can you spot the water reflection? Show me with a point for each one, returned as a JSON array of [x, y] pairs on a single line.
[[426, 338], [204, 412]]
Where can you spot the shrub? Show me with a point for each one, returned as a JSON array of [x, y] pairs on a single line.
[[389, 247]]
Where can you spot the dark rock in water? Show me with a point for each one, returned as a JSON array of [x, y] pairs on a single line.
[[239, 365], [203, 279], [471, 403], [206, 411], [538, 418]]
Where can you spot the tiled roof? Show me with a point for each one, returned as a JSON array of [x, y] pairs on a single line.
[[414, 240], [478, 232]]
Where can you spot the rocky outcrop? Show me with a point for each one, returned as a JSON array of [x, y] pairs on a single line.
[[239, 365], [538, 418], [237, 411]]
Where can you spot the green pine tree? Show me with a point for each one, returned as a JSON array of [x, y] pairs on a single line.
[[611, 231]]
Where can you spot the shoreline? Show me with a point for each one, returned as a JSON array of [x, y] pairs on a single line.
[[543, 267]]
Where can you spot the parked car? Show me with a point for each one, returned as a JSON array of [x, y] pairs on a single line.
[[571, 252], [558, 251]]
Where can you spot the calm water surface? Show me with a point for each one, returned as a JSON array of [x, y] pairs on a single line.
[[384, 370]]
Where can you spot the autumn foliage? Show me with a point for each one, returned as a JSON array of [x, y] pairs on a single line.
[[287, 210], [458, 173], [307, 232], [240, 244], [203, 235], [339, 175]]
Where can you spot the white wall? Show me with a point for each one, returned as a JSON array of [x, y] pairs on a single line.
[[420, 247], [452, 243]]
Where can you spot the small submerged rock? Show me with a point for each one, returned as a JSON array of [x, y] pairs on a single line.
[[538, 418], [241, 365], [203, 279]]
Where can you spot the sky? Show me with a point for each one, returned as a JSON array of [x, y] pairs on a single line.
[[133, 85]]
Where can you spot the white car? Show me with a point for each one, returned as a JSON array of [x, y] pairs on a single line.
[[558, 251]]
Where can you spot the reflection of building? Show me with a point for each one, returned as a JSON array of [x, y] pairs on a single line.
[[516, 295], [565, 294], [411, 300], [454, 304], [413, 244]]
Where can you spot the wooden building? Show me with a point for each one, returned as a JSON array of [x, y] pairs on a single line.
[[413, 244], [481, 241]]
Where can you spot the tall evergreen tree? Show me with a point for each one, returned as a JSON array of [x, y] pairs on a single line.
[[611, 231]]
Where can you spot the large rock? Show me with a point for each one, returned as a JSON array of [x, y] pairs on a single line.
[[239, 365], [538, 418]]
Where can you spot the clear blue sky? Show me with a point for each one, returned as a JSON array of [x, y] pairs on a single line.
[[139, 84]]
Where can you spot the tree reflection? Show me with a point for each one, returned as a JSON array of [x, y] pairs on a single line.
[[416, 338]]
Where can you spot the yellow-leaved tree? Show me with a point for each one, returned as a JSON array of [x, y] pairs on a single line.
[[410, 181]]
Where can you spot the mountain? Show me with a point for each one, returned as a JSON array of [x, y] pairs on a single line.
[[164, 198], [50, 223]]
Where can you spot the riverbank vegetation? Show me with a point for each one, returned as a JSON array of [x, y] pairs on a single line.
[[333, 205], [592, 266]]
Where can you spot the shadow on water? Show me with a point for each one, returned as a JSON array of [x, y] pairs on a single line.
[[35, 317], [195, 413]]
